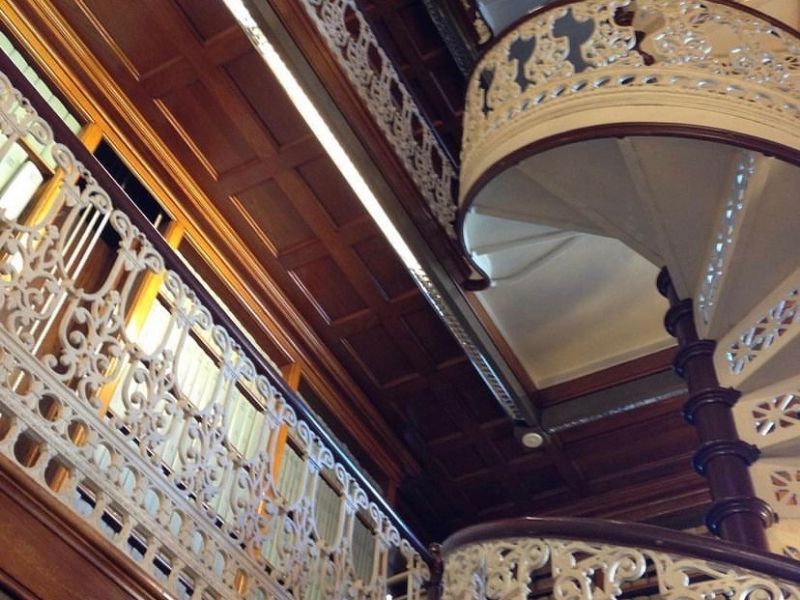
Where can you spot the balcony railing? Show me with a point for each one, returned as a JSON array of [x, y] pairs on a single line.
[[576, 68], [130, 395], [586, 558]]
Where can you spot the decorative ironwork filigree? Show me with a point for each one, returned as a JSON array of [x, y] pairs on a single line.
[[533, 567], [775, 414], [724, 238], [588, 47], [164, 435], [763, 334], [373, 75]]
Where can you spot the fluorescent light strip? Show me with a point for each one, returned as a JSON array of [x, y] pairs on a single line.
[[324, 134], [362, 191]]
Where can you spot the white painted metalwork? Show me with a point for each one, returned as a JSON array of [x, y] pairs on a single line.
[[769, 418], [121, 397], [566, 569], [751, 344], [716, 267], [373, 75], [594, 62], [776, 479]]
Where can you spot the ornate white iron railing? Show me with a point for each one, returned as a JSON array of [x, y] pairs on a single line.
[[586, 56], [584, 559], [123, 397], [769, 418], [373, 75]]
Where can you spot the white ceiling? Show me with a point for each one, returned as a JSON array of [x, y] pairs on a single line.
[[575, 306], [573, 238]]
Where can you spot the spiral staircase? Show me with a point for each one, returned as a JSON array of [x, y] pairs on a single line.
[[604, 138]]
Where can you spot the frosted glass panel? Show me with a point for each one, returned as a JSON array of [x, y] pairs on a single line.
[[363, 550], [7, 47], [19, 180]]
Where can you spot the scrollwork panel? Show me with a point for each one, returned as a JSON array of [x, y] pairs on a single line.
[[149, 420]]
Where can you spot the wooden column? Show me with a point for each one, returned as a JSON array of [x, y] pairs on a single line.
[[736, 514]]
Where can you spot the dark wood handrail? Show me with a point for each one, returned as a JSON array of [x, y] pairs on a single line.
[[123, 202], [560, 3], [632, 535]]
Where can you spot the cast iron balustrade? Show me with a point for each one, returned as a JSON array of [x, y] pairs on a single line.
[[573, 68], [129, 394], [587, 558]]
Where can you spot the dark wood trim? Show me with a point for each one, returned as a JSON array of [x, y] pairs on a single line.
[[81, 538], [607, 378], [611, 130], [736, 514], [173, 262], [628, 534], [10, 585]]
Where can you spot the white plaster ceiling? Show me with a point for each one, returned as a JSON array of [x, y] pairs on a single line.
[[573, 238], [576, 305]]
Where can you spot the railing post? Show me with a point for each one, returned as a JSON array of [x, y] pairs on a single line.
[[736, 514], [436, 584]]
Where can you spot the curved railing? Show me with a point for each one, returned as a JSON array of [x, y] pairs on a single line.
[[129, 394], [589, 558], [582, 65]]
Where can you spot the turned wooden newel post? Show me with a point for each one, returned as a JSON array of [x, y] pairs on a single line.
[[736, 514], [435, 589]]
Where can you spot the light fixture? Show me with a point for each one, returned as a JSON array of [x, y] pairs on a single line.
[[328, 140], [324, 134], [532, 439]]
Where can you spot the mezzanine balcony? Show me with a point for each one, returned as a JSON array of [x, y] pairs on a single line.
[[131, 397], [586, 558]]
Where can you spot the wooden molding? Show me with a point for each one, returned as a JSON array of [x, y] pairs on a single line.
[[55, 554], [610, 377]]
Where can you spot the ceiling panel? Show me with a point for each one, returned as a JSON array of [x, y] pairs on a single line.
[[262, 202], [331, 190], [208, 17], [267, 99], [382, 357], [433, 336], [387, 272], [219, 148], [327, 286], [123, 30]]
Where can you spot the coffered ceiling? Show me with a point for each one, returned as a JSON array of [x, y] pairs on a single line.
[[295, 251]]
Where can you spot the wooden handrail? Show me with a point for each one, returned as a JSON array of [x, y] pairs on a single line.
[[633, 535]]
